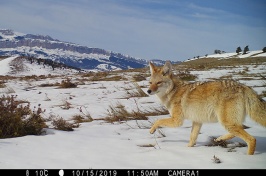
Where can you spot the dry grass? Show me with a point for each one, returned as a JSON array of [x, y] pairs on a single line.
[[49, 84], [3, 57], [134, 91], [32, 77], [209, 63], [140, 77], [212, 142], [225, 144], [119, 113], [66, 105], [185, 75], [104, 76], [67, 84], [2, 84], [60, 124], [6, 78], [81, 119], [147, 145], [263, 94]]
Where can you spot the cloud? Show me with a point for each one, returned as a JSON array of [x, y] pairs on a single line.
[[147, 29]]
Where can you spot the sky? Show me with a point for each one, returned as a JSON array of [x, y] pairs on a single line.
[[148, 29]]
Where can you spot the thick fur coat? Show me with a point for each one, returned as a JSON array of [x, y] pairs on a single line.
[[226, 101]]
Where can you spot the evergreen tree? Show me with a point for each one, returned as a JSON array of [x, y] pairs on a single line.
[[217, 51], [264, 49], [238, 50], [246, 49]]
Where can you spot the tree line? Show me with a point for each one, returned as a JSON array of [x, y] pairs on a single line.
[[238, 50]]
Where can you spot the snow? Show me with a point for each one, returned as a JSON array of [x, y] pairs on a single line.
[[255, 53], [4, 65], [120, 145], [57, 52], [223, 55], [10, 35], [261, 55], [251, 53]]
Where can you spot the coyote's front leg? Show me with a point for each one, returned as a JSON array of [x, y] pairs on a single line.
[[194, 133], [168, 122]]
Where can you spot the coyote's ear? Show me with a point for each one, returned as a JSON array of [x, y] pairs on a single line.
[[152, 67], [167, 68]]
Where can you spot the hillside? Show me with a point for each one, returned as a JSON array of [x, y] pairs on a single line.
[[231, 55], [28, 66], [227, 59]]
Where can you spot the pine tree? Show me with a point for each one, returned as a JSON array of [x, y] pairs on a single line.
[[217, 51], [246, 49], [238, 50], [264, 49]]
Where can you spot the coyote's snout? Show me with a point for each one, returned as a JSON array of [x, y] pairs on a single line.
[[225, 101]]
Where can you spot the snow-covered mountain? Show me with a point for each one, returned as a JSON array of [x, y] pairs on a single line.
[[45, 47]]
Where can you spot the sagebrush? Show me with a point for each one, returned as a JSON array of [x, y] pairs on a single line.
[[17, 119]]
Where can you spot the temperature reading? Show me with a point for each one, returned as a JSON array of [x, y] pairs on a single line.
[[41, 172]]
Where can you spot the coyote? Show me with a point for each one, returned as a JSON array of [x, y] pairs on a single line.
[[224, 101]]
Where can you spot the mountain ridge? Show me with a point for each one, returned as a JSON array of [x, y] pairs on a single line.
[[83, 57]]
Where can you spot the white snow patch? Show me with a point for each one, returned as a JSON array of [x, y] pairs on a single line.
[[4, 65]]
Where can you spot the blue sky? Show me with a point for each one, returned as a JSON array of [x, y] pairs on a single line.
[[147, 29]]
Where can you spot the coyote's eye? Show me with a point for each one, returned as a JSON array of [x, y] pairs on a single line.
[[150, 82], [160, 82]]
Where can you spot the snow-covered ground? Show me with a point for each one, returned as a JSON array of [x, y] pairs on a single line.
[[255, 53], [99, 144], [4, 65]]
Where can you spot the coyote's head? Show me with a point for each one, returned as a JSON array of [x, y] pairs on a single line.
[[161, 79]]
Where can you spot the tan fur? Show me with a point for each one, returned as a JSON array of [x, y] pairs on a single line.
[[225, 101]]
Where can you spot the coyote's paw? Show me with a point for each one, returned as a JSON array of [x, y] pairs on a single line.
[[152, 130], [191, 144], [217, 140]]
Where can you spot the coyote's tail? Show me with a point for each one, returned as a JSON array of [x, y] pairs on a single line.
[[256, 107]]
